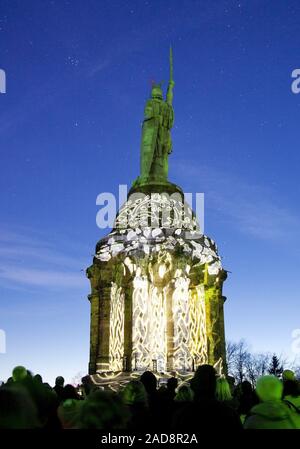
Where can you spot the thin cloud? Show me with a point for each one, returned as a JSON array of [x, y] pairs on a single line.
[[39, 253], [98, 67], [28, 259], [253, 209], [45, 277]]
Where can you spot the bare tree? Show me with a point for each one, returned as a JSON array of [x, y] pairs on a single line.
[[238, 356], [231, 349], [297, 372], [242, 360], [262, 363], [244, 365], [251, 369], [256, 366], [76, 380], [296, 367]]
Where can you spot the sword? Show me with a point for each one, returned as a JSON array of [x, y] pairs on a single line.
[[171, 65]]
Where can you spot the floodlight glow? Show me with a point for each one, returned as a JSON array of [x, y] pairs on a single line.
[[116, 337]]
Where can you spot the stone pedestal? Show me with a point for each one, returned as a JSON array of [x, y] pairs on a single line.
[[156, 300]]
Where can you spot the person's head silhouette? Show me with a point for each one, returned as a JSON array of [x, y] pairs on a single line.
[[149, 381], [203, 383], [19, 373], [59, 381]]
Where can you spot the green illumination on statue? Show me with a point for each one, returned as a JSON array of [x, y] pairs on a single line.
[[156, 144]]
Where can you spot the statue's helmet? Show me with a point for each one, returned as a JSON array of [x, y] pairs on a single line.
[[157, 92]]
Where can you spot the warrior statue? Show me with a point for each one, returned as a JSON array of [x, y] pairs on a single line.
[[156, 142]]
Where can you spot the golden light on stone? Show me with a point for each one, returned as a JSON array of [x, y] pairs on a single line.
[[116, 334], [159, 308]]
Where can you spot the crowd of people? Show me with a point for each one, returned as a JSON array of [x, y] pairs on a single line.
[[205, 402]]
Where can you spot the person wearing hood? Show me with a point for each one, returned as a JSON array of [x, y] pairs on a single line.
[[272, 412], [291, 393]]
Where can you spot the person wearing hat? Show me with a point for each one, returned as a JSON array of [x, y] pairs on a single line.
[[272, 412], [288, 375]]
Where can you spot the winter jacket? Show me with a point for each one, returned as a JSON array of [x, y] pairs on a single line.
[[272, 415], [293, 399]]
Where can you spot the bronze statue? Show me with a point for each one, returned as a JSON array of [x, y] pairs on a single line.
[[156, 142]]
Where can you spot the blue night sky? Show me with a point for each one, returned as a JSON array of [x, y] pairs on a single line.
[[78, 74]]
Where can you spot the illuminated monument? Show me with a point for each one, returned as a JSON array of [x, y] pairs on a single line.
[[156, 280]]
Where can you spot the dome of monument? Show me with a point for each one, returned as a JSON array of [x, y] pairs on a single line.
[[154, 223], [156, 210]]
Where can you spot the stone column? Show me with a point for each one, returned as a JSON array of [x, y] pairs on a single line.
[[222, 299], [222, 332], [193, 302], [196, 276], [170, 325], [94, 331], [212, 323], [128, 291], [104, 329]]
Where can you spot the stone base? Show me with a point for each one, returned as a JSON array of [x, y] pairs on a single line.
[[156, 292], [116, 381], [153, 185]]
